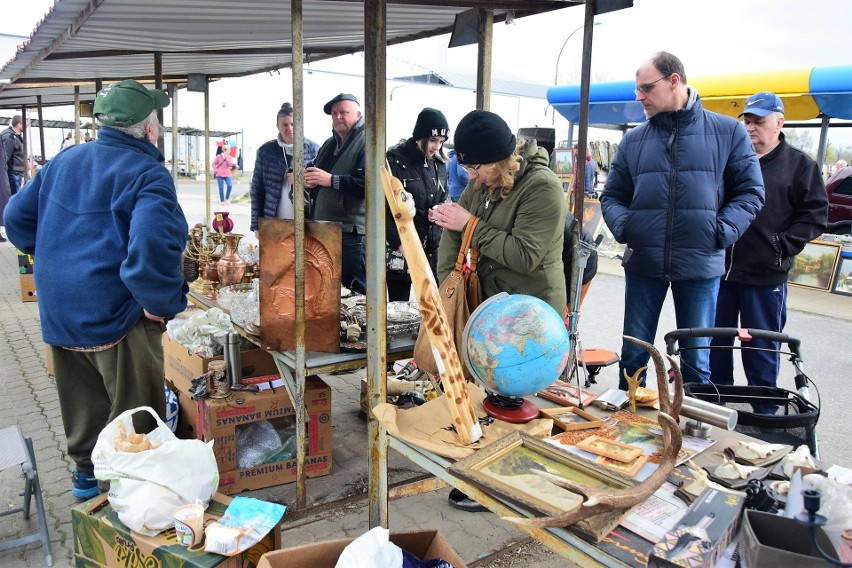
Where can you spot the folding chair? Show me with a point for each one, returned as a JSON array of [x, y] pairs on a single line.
[[15, 449]]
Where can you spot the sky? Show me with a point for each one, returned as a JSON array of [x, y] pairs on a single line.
[[710, 37]]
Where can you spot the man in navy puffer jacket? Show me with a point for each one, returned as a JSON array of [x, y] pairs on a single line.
[[684, 186], [272, 179]]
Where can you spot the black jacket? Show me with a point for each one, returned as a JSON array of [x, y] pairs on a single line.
[[13, 144], [795, 212], [427, 182]]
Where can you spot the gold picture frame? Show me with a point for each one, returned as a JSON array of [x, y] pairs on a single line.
[[612, 449], [815, 266], [505, 470], [571, 418]]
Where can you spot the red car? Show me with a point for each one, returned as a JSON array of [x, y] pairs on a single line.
[[839, 189]]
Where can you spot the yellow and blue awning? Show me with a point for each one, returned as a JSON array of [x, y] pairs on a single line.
[[807, 94]]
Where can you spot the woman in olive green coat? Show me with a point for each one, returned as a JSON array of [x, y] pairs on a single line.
[[521, 207]]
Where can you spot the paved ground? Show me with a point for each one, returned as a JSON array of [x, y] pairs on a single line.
[[821, 319]]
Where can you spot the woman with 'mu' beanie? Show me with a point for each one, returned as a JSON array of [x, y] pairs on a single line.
[[421, 165]]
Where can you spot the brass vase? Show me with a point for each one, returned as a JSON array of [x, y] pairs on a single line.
[[231, 267]]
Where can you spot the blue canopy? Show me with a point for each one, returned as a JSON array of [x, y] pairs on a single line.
[[807, 94]]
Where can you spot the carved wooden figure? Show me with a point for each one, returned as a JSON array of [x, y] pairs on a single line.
[[432, 311]]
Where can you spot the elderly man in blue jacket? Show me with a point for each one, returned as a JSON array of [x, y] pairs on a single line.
[[683, 187], [104, 222]]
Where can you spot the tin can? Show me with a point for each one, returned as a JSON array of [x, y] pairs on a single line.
[[220, 386]]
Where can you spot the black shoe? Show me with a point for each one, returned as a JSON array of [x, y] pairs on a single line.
[[2, 239], [461, 501]]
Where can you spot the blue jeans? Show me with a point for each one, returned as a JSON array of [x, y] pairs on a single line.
[[754, 307], [222, 180], [16, 180], [354, 269], [695, 306]]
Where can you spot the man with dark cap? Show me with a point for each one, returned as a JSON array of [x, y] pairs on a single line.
[[104, 221], [753, 291], [421, 165], [272, 178], [337, 183], [13, 144], [684, 186]]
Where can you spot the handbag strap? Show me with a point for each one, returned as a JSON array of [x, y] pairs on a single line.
[[468, 236]]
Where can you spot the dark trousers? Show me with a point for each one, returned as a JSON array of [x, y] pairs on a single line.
[[755, 307], [94, 388], [354, 270]]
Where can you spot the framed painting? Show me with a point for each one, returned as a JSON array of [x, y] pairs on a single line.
[[563, 162], [815, 266], [571, 418], [506, 468], [592, 216], [843, 276]]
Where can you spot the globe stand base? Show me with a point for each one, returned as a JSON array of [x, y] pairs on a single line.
[[512, 409]]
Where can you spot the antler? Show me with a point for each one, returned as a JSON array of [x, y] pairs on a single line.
[[597, 501]]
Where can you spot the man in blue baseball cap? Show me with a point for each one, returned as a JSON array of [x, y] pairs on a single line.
[[104, 222], [753, 292]]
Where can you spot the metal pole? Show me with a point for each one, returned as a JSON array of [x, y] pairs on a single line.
[[208, 217], [375, 95], [823, 136], [483, 59], [580, 174], [299, 226], [41, 128], [173, 91]]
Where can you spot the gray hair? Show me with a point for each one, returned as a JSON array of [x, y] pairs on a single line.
[[139, 130]]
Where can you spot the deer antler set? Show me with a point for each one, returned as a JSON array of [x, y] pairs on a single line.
[[597, 501]]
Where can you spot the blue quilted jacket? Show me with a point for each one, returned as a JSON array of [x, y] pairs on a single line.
[[267, 180], [683, 187]]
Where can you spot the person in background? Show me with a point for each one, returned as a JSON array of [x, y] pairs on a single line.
[[753, 291], [5, 191], [222, 164], [522, 211], [68, 141], [272, 179], [13, 145], [420, 164], [456, 174], [87, 137], [838, 167], [108, 276], [683, 187], [337, 184]]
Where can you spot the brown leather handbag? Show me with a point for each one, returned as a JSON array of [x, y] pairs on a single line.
[[460, 295]]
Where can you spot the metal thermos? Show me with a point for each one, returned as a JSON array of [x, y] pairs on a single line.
[[232, 358]]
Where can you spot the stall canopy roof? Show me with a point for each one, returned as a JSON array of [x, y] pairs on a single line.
[[81, 41], [807, 94]]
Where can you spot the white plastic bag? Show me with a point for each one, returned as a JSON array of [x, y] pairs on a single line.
[[146, 487], [373, 549]]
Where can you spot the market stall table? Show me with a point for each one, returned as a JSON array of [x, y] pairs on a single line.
[[398, 347], [620, 548]]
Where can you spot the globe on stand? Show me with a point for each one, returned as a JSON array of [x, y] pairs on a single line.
[[515, 345]]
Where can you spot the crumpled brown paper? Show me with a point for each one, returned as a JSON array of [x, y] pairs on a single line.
[[427, 426]]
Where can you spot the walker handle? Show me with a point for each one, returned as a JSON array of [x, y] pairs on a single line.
[[744, 335]]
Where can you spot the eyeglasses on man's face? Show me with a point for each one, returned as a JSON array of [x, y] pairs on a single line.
[[474, 168], [648, 87]]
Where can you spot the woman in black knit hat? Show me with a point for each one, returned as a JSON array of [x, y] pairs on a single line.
[[421, 165], [521, 207]]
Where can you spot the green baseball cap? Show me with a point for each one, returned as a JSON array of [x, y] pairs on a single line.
[[127, 102]]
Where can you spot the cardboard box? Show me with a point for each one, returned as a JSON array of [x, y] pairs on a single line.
[[48, 359], [181, 366], [702, 535], [426, 545], [101, 540], [28, 291], [226, 420]]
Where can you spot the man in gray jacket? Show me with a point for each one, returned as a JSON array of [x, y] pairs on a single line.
[[337, 181], [683, 186]]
